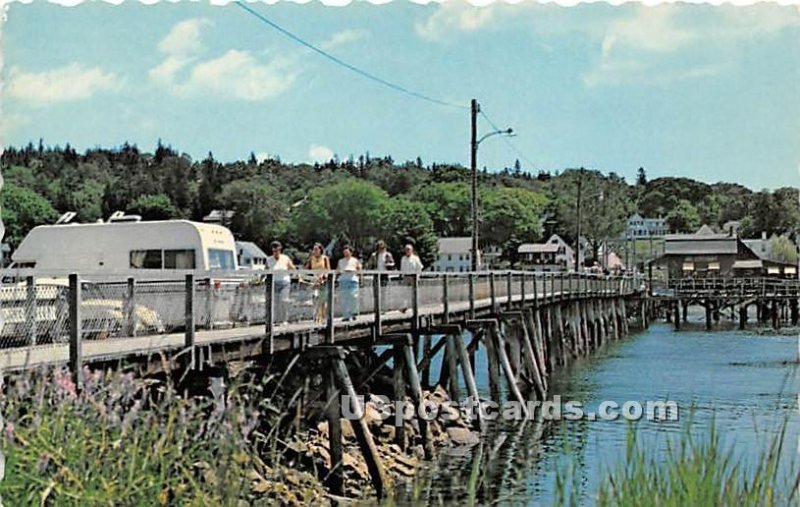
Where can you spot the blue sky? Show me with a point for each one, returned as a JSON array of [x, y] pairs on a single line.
[[706, 92]]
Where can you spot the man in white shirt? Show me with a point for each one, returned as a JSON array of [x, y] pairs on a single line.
[[280, 264], [410, 264]]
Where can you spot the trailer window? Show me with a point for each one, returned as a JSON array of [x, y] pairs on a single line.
[[146, 259], [179, 259], [221, 259]]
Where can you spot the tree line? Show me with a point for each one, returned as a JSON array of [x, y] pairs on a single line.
[[360, 200]]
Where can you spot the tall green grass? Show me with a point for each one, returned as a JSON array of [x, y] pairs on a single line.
[[693, 471], [127, 441]]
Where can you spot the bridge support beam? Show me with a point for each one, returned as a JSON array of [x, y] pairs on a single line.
[[709, 323], [743, 317]]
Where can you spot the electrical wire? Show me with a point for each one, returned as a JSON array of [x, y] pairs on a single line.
[[507, 141], [344, 64]]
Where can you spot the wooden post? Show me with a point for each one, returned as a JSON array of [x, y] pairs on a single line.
[[509, 372], [426, 361], [378, 306], [75, 331], [189, 319], [509, 290], [415, 303], [30, 309], [209, 308], [329, 328], [399, 381], [494, 363], [445, 299], [743, 317], [469, 378], [416, 396], [709, 323], [361, 430], [335, 448], [494, 296], [522, 291], [129, 311], [269, 310], [451, 356], [530, 360], [472, 295]]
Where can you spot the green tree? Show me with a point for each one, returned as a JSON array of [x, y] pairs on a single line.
[[684, 218], [448, 205], [783, 249], [153, 207], [510, 216], [23, 210], [350, 211], [257, 213], [407, 221]]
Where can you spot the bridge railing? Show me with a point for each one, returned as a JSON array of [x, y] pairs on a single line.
[[48, 312], [761, 286]]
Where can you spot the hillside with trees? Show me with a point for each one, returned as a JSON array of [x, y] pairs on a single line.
[[361, 200]]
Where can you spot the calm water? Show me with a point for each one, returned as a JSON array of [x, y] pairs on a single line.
[[747, 382]]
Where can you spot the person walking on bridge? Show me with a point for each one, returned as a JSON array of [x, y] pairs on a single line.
[[280, 264], [318, 261], [381, 260], [349, 267], [410, 265]]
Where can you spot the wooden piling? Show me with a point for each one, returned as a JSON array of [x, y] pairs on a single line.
[[361, 430]]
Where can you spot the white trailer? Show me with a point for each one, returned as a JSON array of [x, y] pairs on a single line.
[[123, 246]]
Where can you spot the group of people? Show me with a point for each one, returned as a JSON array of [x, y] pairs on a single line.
[[348, 269]]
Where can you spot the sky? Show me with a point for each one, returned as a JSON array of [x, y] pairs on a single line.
[[711, 93]]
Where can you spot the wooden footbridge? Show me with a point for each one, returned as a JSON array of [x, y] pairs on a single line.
[[775, 300], [529, 323]]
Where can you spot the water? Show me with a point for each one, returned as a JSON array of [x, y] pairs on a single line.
[[745, 382]]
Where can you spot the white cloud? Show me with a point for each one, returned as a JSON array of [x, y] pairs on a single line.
[[69, 83], [343, 38], [239, 75], [262, 156], [318, 153], [455, 15], [650, 29], [182, 45], [184, 38], [236, 74]]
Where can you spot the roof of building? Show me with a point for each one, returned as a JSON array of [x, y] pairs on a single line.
[[250, 249], [763, 249], [538, 248], [709, 245], [705, 230], [455, 245]]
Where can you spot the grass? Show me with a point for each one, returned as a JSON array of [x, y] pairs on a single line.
[[127, 441], [696, 472]]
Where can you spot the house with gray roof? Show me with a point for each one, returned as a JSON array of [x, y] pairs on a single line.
[[250, 256], [702, 254], [455, 255]]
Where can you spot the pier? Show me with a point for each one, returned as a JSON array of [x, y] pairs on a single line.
[[529, 323], [775, 300]]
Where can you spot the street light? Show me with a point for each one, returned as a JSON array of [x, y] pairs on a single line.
[[474, 110]]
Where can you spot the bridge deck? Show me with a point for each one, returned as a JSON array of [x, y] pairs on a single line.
[[125, 319]]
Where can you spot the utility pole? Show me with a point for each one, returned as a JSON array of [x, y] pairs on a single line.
[[474, 110]]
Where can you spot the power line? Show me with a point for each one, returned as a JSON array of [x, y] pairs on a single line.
[[346, 65], [507, 141]]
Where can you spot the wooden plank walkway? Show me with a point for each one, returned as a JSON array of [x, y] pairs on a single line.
[[493, 291]]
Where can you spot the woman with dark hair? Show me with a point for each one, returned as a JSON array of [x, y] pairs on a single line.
[[349, 267]]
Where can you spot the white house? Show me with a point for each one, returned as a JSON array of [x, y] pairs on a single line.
[[555, 254], [455, 255], [640, 227], [250, 256]]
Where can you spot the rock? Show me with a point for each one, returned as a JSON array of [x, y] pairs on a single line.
[[462, 436]]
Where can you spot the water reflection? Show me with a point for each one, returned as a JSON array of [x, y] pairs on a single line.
[[745, 382]]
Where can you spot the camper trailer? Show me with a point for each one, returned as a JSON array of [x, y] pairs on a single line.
[[125, 243]]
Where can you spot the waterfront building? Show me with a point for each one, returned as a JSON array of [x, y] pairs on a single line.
[[641, 227], [455, 255]]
